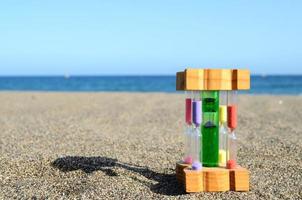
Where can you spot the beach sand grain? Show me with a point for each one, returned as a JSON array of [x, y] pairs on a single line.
[[125, 145]]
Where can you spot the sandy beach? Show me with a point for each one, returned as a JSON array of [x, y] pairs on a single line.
[[125, 145]]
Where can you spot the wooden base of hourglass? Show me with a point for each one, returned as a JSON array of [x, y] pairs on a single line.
[[212, 179]]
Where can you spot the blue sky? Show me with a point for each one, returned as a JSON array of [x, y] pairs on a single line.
[[56, 37]]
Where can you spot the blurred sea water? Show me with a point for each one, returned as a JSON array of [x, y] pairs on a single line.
[[284, 84]]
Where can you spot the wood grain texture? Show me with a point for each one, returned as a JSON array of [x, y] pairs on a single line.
[[214, 179], [193, 180], [194, 79], [239, 179], [213, 79]]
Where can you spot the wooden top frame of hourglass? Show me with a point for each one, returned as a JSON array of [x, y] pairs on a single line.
[[213, 79]]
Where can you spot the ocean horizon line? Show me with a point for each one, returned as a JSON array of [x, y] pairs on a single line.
[[121, 75]]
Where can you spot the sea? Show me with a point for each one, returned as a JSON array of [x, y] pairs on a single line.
[[270, 84]]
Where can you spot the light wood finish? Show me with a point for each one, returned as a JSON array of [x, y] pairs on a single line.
[[213, 79], [239, 179], [193, 180], [243, 79], [193, 78], [212, 179], [216, 180]]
